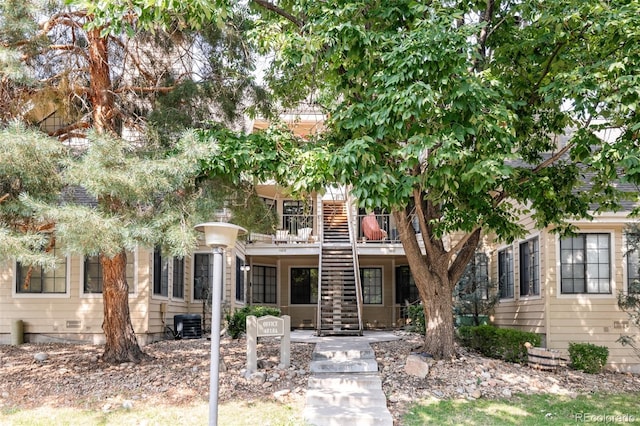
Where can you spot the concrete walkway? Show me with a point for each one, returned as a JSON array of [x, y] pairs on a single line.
[[345, 387]]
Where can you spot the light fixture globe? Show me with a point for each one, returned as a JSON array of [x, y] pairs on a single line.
[[220, 234]]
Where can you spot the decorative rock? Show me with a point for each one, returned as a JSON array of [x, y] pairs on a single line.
[[127, 404], [258, 378], [41, 357], [506, 393], [476, 394], [417, 365]]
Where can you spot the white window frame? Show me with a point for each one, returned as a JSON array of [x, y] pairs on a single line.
[[66, 295], [540, 278], [513, 271], [134, 284], [381, 268], [612, 268]]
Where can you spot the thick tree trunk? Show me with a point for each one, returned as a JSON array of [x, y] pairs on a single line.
[[121, 345], [435, 273]]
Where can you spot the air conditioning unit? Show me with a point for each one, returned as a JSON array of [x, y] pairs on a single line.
[[188, 326]]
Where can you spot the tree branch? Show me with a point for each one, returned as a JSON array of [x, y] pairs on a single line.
[[288, 16]]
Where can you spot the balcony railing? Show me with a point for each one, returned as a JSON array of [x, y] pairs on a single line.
[[377, 228]]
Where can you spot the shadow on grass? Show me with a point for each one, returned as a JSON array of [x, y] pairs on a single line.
[[528, 410]]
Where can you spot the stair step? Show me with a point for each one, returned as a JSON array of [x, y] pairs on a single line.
[[345, 381], [367, 398], [347, 366], [340, 416]]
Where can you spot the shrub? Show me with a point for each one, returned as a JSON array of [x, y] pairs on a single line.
[[588, 357], [237, 322], [501, 343], [416, 315]]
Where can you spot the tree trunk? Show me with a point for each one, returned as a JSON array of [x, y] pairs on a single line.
[[121, 345], [435, 274]]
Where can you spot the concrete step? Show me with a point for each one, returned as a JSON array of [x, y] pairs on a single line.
[[341, 416], [345, 381], [344, 354], [367, 398], [347, 366]]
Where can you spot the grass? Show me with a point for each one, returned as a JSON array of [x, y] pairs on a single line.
[[522, 410], [528, 410], [229, 414]]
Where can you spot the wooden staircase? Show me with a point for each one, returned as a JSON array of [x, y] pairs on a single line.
[[339, 306]]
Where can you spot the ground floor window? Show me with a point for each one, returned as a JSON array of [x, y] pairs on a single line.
[[304, 286], [93, 274], [529, 268], [160, 274], [585, 264], [505, 273], [371, 282], [240, 279], [36, 279], [202, 268], [263, 284], [406, 290], [178, 278]]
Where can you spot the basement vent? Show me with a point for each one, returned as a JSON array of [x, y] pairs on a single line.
[[73, 324], [188, 326]]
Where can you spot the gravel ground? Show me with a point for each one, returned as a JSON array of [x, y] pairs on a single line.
[[34, 375]]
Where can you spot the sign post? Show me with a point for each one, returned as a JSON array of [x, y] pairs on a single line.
[[268, 326]]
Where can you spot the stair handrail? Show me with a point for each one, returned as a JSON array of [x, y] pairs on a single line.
[[356, 263], [320, 242]]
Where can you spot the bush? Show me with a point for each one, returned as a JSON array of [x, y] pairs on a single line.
[[237, 323], [416, 315], [588, 357], [500, 343]]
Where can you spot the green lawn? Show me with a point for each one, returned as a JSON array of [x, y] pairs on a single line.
[[524, 410], [529, 410]]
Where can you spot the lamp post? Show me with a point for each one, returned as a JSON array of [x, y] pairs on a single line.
[[218, 236]]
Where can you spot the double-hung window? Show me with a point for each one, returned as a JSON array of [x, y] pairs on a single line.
[[530, 268], [505, 273], [371, 282], [263, 284], [586, 264]]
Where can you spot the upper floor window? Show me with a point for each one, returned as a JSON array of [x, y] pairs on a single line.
[[371, 282], [93, 280], [304, 285], [530, 268], [586, 264], [505, 273], [38, 280]]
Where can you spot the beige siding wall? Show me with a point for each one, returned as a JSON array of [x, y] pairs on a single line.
[[70, 316], [565, 318]]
